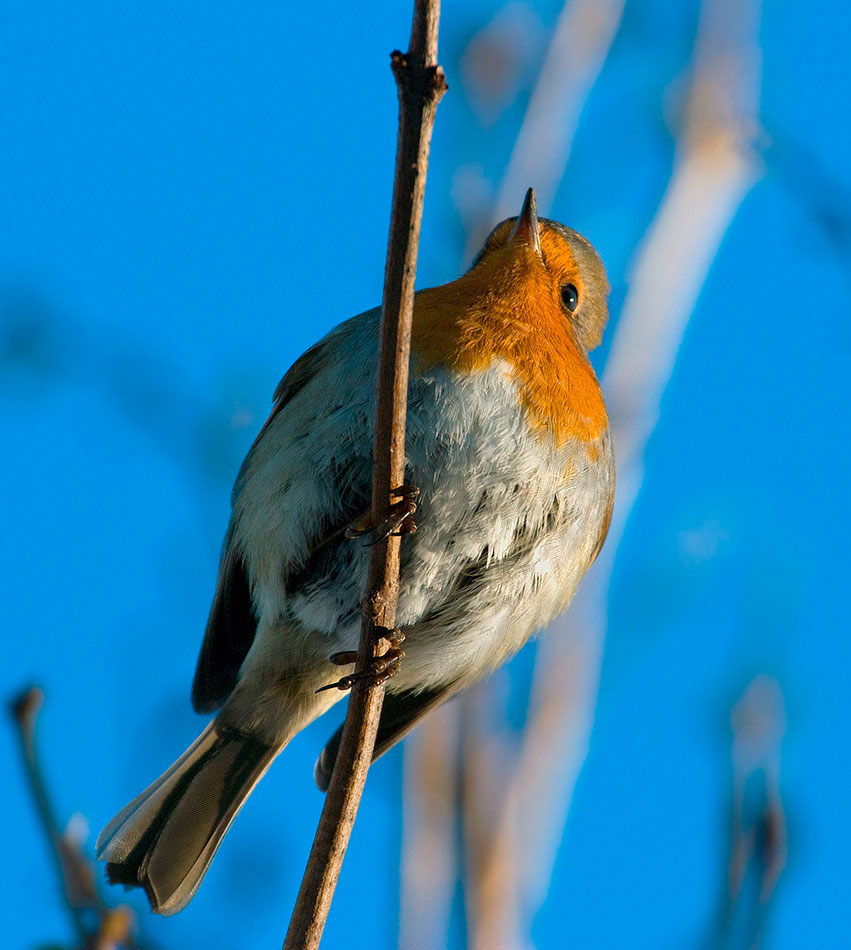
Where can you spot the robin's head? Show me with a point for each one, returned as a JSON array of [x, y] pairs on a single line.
[[535, 301], [536, 256]]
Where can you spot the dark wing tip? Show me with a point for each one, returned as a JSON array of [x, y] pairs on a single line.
[[123, 873], [325, 763], [230, 632], [203, 701]]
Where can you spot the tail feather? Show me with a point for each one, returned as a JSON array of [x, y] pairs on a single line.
[[165, 839]]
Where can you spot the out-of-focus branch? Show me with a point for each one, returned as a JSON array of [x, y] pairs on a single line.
[[758, 827], [713, 171], [580, 43], [420, 84], [491, 886], [428, 831], [96, 926], [500, 909], [824, 197]]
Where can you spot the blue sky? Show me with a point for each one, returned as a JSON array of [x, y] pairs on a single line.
[[189, 202]]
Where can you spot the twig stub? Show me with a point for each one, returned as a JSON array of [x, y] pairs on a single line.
[[25, 707], [96, 925], [413, 77]]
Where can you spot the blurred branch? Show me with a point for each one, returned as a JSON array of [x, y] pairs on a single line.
[[96, 925], [420, 85], [429, 851], [580, 43], [508, 887], [825, 198], [491, 882], [758, 820], [713, 171]]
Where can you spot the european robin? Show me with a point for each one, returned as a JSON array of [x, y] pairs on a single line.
[[509, 446]]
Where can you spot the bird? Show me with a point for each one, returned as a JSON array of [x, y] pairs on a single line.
[[510, 461]]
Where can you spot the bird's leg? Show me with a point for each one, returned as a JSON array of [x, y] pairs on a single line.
[[378, 670], [399, 520]]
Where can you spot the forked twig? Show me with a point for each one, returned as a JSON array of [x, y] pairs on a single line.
[[96, 925]]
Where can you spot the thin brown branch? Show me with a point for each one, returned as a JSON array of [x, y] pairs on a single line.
[[420, 84], [96, 925]]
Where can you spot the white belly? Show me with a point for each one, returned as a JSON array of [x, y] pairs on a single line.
[[507, 525]]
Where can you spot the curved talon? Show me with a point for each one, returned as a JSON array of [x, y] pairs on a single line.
[[399, 520], [379, 671]]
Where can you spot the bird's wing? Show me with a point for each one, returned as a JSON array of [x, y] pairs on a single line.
[[232, 625], [399, 714], [230, 632]]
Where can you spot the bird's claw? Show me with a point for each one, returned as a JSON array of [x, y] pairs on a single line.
[[399, 520], [378, 671]]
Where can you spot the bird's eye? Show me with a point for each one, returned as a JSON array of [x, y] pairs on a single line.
[[570, 296]]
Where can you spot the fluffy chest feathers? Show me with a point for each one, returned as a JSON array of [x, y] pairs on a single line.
[[509, 521]]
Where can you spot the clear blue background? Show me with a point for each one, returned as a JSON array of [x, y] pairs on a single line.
[[191, 195]]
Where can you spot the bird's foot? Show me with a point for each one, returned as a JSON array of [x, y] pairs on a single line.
[[399, 520], [378, 670]]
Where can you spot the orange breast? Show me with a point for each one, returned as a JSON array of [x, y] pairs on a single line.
[[510, 313]]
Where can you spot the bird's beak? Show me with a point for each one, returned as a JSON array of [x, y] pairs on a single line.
[[526, 229]]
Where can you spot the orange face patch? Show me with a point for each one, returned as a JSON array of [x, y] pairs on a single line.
[[509, 307]]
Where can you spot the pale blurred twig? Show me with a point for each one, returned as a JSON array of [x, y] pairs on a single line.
[[429, 820], [579, 46], [758, 819], [580, 43]]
